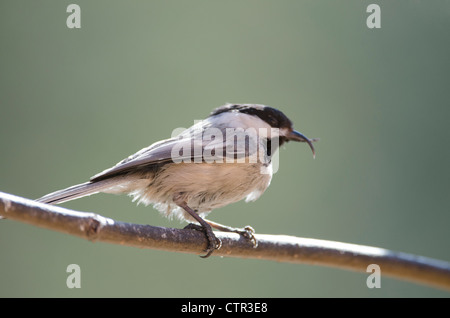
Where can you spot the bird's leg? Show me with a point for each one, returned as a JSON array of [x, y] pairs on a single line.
[[213, 242], [248, 232]]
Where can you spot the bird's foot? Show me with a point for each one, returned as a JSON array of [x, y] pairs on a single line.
[[214, 243], [249, 233]]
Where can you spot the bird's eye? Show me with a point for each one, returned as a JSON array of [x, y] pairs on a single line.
[[272, 121]]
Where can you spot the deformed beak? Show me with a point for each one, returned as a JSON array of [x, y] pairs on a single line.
[[296, 136]]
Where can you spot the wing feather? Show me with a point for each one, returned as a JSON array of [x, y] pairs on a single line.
[[184, 147]]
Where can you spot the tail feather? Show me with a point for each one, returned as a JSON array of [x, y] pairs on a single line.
[[75, 192]]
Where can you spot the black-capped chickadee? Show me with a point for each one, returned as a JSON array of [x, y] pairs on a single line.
[[220, 160]]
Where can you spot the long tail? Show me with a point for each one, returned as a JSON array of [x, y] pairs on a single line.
[[77, 191]]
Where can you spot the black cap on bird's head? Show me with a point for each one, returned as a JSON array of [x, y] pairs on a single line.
[[273, 117]]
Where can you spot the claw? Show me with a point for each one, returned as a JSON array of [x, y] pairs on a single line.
[[249, 233], [214, 243]]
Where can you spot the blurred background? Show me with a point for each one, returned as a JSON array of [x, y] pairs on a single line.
[[76, 101]]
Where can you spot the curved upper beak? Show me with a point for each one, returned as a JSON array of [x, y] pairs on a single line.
[[296, 136]]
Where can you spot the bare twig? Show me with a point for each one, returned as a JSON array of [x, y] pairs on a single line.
[[279, 248]]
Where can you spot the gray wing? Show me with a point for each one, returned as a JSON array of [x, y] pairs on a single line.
[[186, 147], [157, 153]]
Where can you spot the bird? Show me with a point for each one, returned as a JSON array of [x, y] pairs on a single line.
[[222, 159]]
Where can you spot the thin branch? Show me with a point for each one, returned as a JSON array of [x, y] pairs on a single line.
[[279, 248]]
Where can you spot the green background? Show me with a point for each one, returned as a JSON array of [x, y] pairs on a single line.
[[75, 102]]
